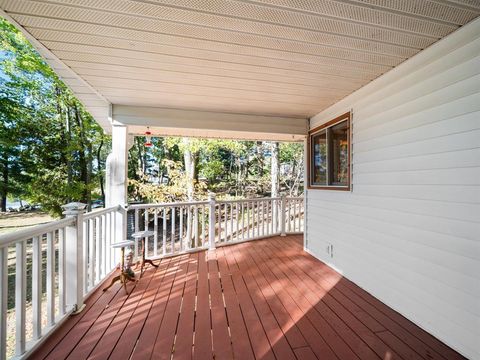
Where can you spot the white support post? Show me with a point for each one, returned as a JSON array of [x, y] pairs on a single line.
[[74, 261], [282, 216], [211, 221], [116, 175]]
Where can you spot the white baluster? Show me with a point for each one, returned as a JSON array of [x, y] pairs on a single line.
[[98, 251], [20, 297], [262, 218], [108, 242], [50, 279], [137, 229], [155, 232], [85, 256], [282, 216], [225, 222], [173, 230], [181, 229], [195, 224], [243, 219], [189, 227], [37, 287], [3, 301], [146, 221], [231, 222], [203, 225], [255, 219], [61, 272], [91, 254], [237, 218], [219, 222], [249, 219], [211, 220], [164, 231], [103, 249]]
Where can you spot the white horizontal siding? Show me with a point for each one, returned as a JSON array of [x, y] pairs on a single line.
[[409, 231]]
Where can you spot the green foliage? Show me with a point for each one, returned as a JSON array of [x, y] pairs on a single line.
[[229, 168], [51, 148], [174, 190]]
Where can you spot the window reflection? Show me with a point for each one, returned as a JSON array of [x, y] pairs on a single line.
[[339, 154], [329, 156], [319, 144]]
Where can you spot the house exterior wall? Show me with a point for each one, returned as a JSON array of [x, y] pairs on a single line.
[[409, 230]]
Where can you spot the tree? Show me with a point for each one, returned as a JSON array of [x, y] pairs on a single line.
[[11, 170], [292, 165], [275, 169], [190, 156], [51, 147]]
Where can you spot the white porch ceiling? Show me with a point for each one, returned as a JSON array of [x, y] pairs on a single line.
[[289, 58]]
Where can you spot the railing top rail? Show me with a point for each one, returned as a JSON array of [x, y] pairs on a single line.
[[159, 205], [99, 212], [205, 202], [25, 234], [247, 200]]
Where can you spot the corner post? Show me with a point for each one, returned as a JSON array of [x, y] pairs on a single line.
[[282, 216], [74, 244], [211, 220]]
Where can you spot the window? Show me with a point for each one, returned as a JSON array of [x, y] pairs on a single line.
[[329, 158]]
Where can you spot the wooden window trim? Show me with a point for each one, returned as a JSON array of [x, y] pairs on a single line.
[[338, 119]]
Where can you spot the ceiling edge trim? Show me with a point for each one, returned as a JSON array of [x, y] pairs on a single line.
[[52, 60]]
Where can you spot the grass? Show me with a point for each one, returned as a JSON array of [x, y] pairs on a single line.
[[20, 220]]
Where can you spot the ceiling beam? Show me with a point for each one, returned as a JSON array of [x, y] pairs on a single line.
[[179, 122]]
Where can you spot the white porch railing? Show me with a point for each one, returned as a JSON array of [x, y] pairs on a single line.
[[188, 226], [47, 271]]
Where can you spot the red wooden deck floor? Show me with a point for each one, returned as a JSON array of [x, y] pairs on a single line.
[[265, 299]]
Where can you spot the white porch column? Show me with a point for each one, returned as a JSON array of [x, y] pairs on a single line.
[[116, 178], [74, 261]]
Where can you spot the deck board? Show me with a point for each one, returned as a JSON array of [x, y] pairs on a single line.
[[186, 322], [264, 299]]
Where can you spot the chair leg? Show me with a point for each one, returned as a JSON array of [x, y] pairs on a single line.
[[124, 281], [151, 262], [114, 280]]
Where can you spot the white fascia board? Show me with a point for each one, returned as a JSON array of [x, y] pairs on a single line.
[[69, 77], [451, 42], [179, 122]]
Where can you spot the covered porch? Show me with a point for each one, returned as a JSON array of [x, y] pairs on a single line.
[[266, 299], [390, 215]]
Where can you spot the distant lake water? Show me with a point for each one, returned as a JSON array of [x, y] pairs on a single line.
[[15, 204]]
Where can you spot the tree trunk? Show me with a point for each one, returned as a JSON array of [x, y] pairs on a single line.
[[189, 168], [82, 159], [274, 174], [275, 169], [4, 189], [100, 166]]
